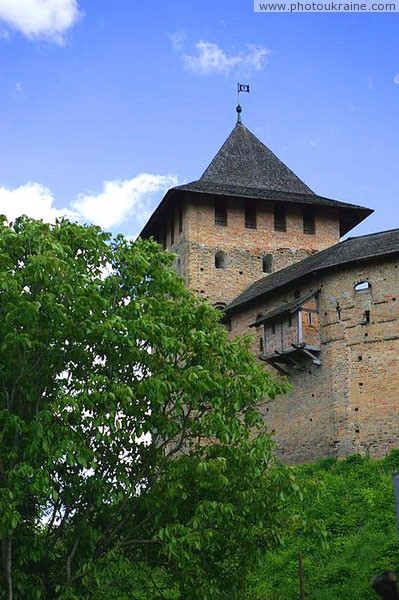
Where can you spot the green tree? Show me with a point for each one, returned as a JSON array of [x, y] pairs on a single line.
[[126, 459]]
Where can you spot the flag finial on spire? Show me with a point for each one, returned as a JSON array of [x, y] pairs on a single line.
[[240, 88]]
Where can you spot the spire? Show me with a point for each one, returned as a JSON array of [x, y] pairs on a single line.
[[239, 111]]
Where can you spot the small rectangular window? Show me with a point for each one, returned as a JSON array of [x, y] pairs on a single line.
[[250, 215], [180, 218], [309, 318], [309, 225], [280, 219], [220, 213]]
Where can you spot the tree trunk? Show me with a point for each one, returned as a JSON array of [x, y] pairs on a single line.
[[8, 565]]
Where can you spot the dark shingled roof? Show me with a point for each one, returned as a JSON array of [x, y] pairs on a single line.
[[246, 168], [245, 162], [352, 250]]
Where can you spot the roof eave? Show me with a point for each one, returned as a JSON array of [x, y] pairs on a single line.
[[350, 218]]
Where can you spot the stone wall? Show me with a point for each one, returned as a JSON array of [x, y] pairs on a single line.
[[351, 402]]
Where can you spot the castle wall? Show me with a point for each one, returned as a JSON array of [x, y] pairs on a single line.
[[244, 248], [351, 402]]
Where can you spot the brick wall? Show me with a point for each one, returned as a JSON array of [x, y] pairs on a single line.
[[351, 402], [244, 248]]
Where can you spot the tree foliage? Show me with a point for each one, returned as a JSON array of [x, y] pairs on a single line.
[[127, 464]]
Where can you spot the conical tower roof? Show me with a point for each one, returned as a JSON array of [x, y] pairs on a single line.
[[243, 161]]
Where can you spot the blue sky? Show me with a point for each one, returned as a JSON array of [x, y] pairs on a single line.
[[104, 105]]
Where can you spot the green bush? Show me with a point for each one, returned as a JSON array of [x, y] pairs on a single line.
[[356, 504]]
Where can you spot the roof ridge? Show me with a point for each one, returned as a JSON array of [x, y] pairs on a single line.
[[355, 237]]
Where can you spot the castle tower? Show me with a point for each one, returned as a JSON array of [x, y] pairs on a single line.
[[248, 215]]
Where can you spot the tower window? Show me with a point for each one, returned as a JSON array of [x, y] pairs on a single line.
[[220, 260], [309, 225], [250, 215], [220, 213], [280, 219], [180, 218], [267, 263]]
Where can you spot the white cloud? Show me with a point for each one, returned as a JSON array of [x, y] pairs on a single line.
[[40, 19], [32, 199], [119, 199], [119, 202], [211, 59], [396, 79], [177, 40]]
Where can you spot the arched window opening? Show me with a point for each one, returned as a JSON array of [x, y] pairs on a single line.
[[220, 306], [267, 263], [220, 260], [363, 286]]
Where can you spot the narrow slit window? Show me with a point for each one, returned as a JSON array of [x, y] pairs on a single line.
[[250, 215], [366, 317], [220, 213], [261, 345], [172, 229], [220, 260], [310, 318], [280, 218], [180, 218], [309, 223]]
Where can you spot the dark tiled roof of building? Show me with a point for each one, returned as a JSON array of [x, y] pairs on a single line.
[[246, 168], [244, 161], [352, 250]]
